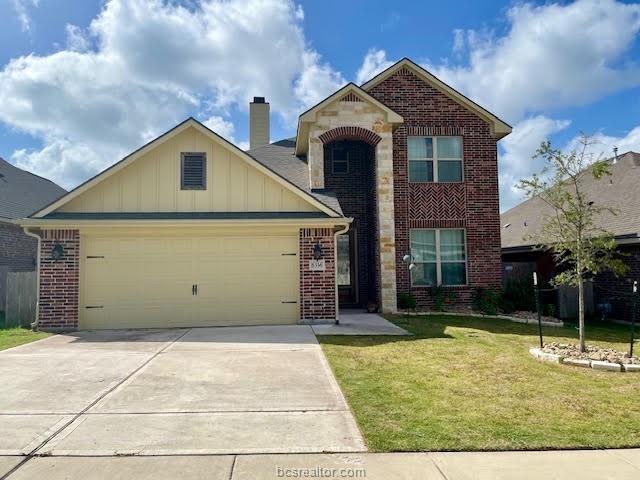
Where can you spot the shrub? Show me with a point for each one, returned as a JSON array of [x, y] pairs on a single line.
[[518, 294], [441, 296], [407, 301], [486, 300]]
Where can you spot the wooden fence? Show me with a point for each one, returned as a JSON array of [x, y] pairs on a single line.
[[21, 299]]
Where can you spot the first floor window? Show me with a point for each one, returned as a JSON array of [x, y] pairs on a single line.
[[439, 256]]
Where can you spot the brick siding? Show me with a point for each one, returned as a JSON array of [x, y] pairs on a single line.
[[17, 254], [59, 281], [357, 195], [17, 250], [612, 289], [317, 288], [472, 205]]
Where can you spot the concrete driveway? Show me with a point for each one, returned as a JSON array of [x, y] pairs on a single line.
[[175, 391]]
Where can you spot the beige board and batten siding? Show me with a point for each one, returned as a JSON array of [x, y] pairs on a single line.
[[143, 279], [152, 184]]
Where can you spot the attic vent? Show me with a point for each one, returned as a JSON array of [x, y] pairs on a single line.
[[193, 171], [350, 97]]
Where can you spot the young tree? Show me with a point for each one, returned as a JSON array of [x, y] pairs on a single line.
[[570, 230]]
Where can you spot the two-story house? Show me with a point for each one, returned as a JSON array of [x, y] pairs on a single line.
[[191, 230]]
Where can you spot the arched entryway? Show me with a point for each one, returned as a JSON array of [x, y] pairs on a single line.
[[350, 172]]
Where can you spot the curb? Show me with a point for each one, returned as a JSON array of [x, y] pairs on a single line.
[[580, 362], [479, 315]]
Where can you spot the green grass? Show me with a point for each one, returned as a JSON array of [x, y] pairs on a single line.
[[12, 337], [465, 383]]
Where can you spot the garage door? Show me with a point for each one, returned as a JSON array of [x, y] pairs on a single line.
[[146, 282]]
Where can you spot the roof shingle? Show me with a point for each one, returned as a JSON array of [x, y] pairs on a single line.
[[620, 191], [22, 192]]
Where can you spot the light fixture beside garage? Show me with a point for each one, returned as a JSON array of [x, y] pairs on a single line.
[[57, 252], [317, 263]]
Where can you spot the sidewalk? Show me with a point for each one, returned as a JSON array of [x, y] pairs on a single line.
[[583, 464]]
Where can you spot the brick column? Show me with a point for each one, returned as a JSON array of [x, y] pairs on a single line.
[[59, 281], [317, 288]]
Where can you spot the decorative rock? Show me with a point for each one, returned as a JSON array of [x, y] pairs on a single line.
[[631, 367], [576, 362], [535, 352], [611, 367], [550, 357]]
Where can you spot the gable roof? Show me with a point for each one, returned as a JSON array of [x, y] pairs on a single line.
[[302, 138], [619, 191], [189, 122], [22, 192], [499, 128]]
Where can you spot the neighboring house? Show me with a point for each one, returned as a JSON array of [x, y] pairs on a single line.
[[619, 191], [21, 194], [190, 230]]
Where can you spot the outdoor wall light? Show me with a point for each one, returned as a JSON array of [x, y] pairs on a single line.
[[57, 252], [317, 251], [407, 259]]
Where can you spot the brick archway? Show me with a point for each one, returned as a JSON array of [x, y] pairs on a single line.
[[350, 133]]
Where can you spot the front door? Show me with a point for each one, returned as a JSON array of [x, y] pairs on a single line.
[[347, 278]]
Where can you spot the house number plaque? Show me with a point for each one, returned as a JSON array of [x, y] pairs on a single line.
[[317, 265]]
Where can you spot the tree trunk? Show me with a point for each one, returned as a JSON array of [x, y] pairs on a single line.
[[581, 314]]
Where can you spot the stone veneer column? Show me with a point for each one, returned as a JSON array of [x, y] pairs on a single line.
[[315, 158], [369, 117], [317, 288], [59, 281], [386, 218]]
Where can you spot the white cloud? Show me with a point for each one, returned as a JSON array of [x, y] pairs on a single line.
[[225, 129], [77, 40], [602, 145], [515, 160], [21, 7], [552, 56], [316, 81], [149, 64], [66, 163], [375, 61]]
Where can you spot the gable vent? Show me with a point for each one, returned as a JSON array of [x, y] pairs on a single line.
[[193, 171]]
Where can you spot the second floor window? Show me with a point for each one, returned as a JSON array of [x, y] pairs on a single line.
[[339, 161], [435, 159]]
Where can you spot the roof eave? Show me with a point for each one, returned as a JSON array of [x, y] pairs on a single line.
[[499, 128], [80, 223], [310, 116]]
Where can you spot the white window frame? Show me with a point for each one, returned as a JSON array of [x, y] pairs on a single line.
[[436, 159], [438, 261]]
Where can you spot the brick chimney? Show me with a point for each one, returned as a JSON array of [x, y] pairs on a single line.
[[258, 123]]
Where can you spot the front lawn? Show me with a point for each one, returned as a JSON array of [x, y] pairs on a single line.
[[12, 337], [465, 383]]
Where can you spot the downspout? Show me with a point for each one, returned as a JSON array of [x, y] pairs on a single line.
[[34, 325], [335, 265]]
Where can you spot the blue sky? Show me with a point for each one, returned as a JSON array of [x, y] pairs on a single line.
[[84, 82]]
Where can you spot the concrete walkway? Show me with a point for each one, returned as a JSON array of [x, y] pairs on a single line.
[[358, 322], [550, 465]]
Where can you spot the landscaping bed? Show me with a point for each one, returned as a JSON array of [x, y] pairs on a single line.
[[468, 383], [593, 353], [598, 358]]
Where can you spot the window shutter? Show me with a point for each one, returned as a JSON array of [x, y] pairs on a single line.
[[193, 171]]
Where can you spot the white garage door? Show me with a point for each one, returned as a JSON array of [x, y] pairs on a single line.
[[147, 282]]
